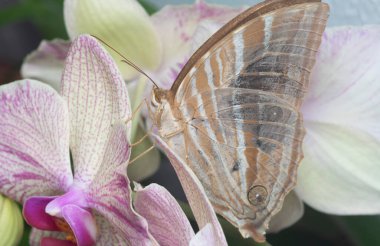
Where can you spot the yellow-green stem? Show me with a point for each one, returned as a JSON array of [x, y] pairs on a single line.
[[137, 98]]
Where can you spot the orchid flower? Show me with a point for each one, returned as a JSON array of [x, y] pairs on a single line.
[[38, 127], [340, 109]]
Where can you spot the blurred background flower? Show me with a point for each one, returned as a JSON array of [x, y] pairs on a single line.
[[11, 222], [24, 23]]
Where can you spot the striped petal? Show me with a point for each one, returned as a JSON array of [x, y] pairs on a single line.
[[110, 195], [46, 63], [123, 24], [167, 222], [198, 201], [46, 238], [341, 169], [34, 144], [108, 234], [97, 98], [176, 26]]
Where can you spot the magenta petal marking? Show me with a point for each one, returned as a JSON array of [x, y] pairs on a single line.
[[82, 223], [35, 215], [73, 196], [49, 241]]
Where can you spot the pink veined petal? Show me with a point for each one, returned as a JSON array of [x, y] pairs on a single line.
[[82, 223], [198, 201], [97, 97], [46, 63], [36, 236], [176, 26], [167, 222], [342, 122], [107, 233], [34, 144], [35, 215], [110, 195]]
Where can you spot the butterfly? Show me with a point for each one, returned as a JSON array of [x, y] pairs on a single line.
[[233, 113]]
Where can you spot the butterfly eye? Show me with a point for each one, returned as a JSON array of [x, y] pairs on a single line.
[[257, 195]]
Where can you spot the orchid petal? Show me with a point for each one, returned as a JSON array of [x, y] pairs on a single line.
[[291, 211], [353, 12], [340, 171], [73, 196], [344, 83], [110, 194], [50, 241], [97, 97], [11, 222], [82, 224], [35, 215], [34, 131], [167, 222], [123, 24], [196, 195], [204, 237], [341, 118], [37, 237], [46, 63], [176, 26], [108, 234]]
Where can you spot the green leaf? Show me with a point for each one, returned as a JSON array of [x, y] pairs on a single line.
[[363, 230], [47, 15]]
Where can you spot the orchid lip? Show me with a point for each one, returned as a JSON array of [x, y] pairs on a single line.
[[73, 196]]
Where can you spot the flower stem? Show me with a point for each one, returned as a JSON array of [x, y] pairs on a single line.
[[137, 98]]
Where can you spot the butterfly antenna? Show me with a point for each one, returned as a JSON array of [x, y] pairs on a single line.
[[126, 60]]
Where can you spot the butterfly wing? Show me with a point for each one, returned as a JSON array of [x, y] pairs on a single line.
[[239, 99]]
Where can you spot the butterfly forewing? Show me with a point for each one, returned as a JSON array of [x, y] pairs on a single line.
[[238, 105]]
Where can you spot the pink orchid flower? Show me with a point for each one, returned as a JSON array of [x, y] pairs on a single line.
[[40, 128]]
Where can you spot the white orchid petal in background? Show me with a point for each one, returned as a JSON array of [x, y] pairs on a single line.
[[341, 169], [291, 211], [177, 26], [46, 63], [123, 24]]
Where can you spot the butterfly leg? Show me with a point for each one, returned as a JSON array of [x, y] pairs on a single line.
[[138, 108], [141, 154]]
